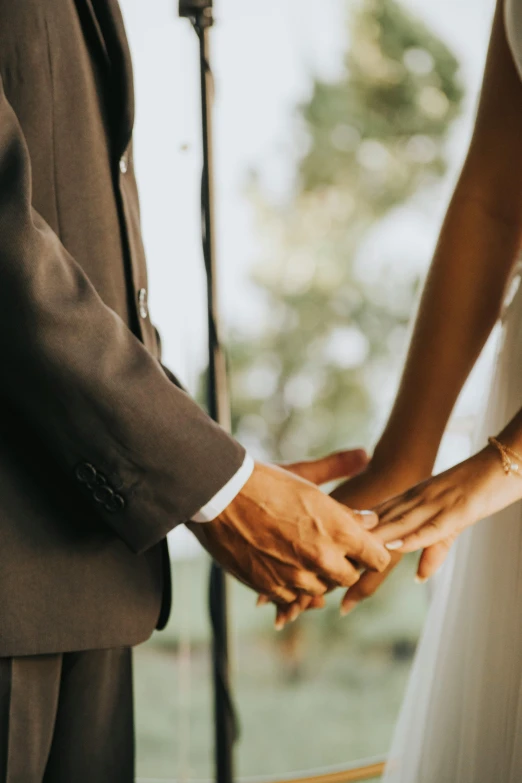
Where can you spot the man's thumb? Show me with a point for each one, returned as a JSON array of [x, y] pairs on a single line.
[[341, 464]]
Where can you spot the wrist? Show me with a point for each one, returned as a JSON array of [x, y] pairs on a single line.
[[225, 496], [485, 486], [376, 484], [408, 454], [401, 466]]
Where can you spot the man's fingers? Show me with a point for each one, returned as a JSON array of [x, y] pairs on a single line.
[[361, 546], [287, 614], [297, 579], [367, 585], [305, 603], [432, 558], [292, 585], [342, 464], [309, 583], [336, 569], [282, 595], [394, 509], [313, 588]]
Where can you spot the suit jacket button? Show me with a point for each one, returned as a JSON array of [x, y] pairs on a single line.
[[124, 164], [116, 503], [103, 494], [85, 473], [142, 303]]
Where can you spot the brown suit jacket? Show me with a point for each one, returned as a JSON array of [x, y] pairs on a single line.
[[101, 454]]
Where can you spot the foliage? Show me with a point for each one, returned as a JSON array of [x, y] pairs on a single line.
[[302, 384]]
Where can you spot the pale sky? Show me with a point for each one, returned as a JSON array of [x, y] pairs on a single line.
[[264, 54]]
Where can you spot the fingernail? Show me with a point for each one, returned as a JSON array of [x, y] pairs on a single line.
[[262, 600], [295, 611], [369, 519], [395, 545], [279, 624], [348, 606], [420, 580]]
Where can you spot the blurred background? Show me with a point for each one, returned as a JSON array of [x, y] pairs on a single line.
[[341, 126]]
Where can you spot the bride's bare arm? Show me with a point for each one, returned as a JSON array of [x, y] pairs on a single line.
[[477, 248], [478, 244]]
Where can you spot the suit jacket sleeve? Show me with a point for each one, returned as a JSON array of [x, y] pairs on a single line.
[[168, 372], [142, 452]]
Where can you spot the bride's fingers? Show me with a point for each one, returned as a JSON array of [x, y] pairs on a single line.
[[432, 558], [405, 522], [392, 508], [367, 585], [304, 602], [442, 525], [341, 464], [319, 602]]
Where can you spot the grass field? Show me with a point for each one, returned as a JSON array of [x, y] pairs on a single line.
[[326, 692]]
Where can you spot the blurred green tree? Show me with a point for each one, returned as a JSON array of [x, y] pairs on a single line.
[[302, 383]]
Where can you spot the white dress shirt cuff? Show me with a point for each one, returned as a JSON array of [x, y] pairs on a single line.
[[226, 494]]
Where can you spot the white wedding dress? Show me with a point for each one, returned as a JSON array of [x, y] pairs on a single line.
[[461, 721]]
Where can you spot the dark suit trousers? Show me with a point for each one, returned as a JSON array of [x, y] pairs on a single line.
[[67, 718]]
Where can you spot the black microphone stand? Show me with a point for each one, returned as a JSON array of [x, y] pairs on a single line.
[[200, 13]]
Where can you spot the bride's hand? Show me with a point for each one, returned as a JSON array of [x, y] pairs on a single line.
[[369, 488], [380, 480], [434, 512]]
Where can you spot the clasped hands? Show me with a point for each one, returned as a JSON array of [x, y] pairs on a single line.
[[292, 543]]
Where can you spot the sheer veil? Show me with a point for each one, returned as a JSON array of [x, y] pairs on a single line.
[[461, 721]]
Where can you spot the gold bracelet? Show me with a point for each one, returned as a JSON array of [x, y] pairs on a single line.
[[511, 461]]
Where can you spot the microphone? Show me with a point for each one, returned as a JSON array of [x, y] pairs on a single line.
[[193, 8]]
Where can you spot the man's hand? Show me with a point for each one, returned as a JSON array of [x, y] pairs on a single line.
[[372, 488], [321, 471], [284, 538], [368, 488]]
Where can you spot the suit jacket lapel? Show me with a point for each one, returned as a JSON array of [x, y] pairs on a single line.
[[92, 30], [104, 23], [113, 28]]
